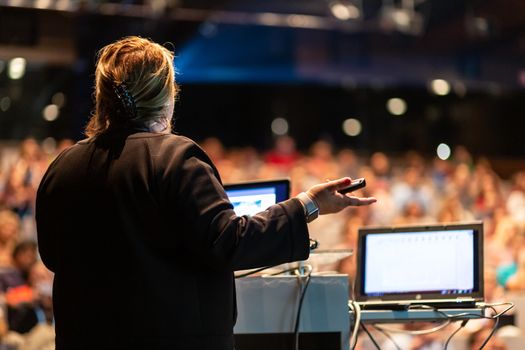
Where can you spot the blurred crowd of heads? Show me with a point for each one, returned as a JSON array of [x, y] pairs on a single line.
[[25, 283], [410, 188]]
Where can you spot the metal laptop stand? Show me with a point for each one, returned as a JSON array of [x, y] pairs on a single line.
[[398, 316]]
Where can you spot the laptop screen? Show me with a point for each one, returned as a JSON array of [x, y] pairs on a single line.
[[250, 198], [420, 262]]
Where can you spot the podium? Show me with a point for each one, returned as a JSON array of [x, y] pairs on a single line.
[[268, 306]]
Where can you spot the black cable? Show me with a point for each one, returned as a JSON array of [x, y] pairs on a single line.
[[494, 317], [451, 317], [313, 245], [299, 308], [463, 323], [370, 336], [385, 333], [496, 322]]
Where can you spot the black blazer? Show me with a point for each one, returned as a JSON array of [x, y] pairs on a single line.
[[143, 242]]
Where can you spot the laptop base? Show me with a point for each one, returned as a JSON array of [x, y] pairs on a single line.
[[393, 316], [419, 305]]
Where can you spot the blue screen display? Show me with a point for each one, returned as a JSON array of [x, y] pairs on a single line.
[[252, 198]]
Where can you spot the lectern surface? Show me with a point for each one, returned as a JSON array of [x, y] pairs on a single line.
[[269, 305]]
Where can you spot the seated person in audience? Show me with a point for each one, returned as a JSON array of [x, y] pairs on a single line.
[[21, 312], [24, 257], [24, 177], [284, 154], [9, 229], [41, 282], [516, 281], [413, 213], [478, 338]]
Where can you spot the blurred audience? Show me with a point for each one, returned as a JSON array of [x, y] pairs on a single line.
[[9, 233], [410, 190]]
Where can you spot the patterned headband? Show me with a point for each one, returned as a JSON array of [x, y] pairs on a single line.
[[126, 100]]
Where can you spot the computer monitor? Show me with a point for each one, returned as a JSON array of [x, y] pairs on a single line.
[[420, 263], [249, 198]]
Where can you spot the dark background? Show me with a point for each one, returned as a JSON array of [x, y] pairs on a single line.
[[239, 72]]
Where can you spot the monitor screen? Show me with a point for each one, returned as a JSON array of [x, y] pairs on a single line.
[[420, 262], [250, 198], [428, 260]]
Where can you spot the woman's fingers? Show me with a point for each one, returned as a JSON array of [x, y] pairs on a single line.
[[338, 184], [358, 201]]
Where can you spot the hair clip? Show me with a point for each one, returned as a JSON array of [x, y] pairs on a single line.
[[126, 100]]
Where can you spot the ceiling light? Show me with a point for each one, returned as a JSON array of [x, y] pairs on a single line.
[[50, 112], [440, 87], [344, 11], [396, 106], [279, 126], [443, 151], [17, 68], [352, 127]]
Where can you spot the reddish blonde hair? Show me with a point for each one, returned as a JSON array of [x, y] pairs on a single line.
[[145, 68]]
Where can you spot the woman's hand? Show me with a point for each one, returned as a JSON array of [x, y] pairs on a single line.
[[330, 201]]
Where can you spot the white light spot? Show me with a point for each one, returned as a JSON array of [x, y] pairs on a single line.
[[396, 106], [5, 103], [17, 68], [443, 151], [401, 18], [50, 112], [352, 127], [344, 11], [280, 126], [440, 87]]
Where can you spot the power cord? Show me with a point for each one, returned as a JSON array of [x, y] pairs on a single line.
[[494, 317], [418, 332], [356, 310], [464, 314], [496, 323], [369, 335], [304, 287], [463, 324], [387, 336]]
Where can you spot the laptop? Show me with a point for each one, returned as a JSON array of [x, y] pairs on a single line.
[[436, 265], [249, 198]]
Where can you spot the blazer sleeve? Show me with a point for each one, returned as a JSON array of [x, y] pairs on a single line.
[[277, 235]]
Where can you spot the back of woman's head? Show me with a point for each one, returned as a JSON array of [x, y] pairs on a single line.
[[134, 85]]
